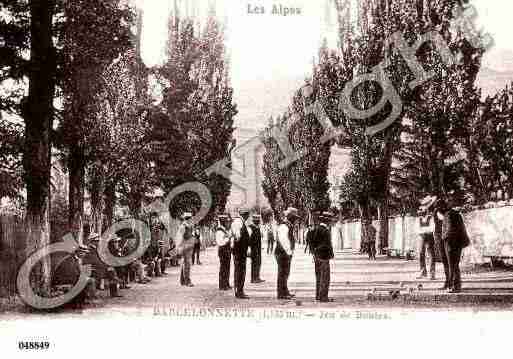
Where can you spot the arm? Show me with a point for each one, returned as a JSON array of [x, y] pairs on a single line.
[[283, 238]]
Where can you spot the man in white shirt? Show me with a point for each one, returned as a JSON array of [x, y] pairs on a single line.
[[284, 251], [223, 238], [240, 242], [427, 238]]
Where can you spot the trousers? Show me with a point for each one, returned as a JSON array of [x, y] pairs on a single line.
[[185, 276], [225, 257], [322, 278], [427, 242], [451, 257], [256, 263], [239, 273], [283, 262]]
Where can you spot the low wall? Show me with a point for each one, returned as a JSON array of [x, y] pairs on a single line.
[[490, 231]]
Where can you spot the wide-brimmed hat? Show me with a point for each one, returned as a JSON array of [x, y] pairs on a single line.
[[427, 202], [93, 236], [187, 215], [291, 212], [327, 215], [243, 211]]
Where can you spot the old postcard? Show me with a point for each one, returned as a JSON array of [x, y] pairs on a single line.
[[256, 178]]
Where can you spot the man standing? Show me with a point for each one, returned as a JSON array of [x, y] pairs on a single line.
[[224, 251], [255, 245], [284, 251], [319, 241], [454, 239], [184, 245], [197, 247], [427, 237], [241, 236], [268, 232]]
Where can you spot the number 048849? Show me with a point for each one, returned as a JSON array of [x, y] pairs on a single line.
[[33, 345]]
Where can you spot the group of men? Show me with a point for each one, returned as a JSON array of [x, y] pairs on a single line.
[[235, 238], [454, 239]]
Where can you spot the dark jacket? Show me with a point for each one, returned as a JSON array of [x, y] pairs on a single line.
[[454, 231], [320, 242]]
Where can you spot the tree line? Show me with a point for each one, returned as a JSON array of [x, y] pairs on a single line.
[[446, 138], [77, 95]]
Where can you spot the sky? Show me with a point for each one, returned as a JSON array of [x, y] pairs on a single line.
[[272, 55]]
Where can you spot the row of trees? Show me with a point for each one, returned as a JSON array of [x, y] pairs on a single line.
[[444, 138], [121, 131]]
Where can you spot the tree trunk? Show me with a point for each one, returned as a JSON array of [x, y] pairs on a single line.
[[76, 167], [391, 138], [366, 222], [110, 203], [383, 226], [97, 202], [475, 174], [37, 112]]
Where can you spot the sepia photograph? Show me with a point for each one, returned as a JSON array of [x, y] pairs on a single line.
[[256, 178]]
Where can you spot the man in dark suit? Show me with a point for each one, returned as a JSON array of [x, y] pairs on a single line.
[[224, 251], [284, 251], [241, 236], [454, 239], [322, 250], [255, 245]]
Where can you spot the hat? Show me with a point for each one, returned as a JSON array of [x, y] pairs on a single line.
[[243, 211], [223, 216], [291, 212], [93, 236], [256, 217], [187, 215], [115, 239], [427, 202], [327, 215]]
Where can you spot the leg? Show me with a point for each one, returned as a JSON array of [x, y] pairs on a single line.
[[454, 256], [432, 260], [317, 279], [288, 262], [324, 271], [280, 286], [254, 265], [186, 266], [422, 256], [445, 261]]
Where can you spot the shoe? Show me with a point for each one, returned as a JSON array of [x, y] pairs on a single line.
[[287, 297], [326, 300], [291, 295], [259, 281], [189, 285], [454, 290], [241, 296], [199, 263], [433, 277]]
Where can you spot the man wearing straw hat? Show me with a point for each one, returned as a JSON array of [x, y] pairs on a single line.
[[224, 251], [285, 246], [427, 237], [240, 242], [184, 245]]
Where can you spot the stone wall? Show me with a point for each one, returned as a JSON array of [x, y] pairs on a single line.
[[490, 230]]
